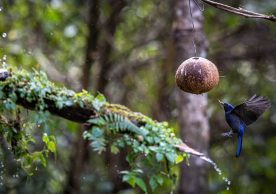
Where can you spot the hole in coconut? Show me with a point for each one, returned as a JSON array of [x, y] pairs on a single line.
[[195, 57]]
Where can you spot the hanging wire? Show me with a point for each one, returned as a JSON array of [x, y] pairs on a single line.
[[200, 6]]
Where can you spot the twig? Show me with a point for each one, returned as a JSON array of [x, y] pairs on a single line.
[[185, 148], [240, 11]]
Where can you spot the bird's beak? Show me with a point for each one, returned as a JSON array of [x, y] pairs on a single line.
[[221, 103]]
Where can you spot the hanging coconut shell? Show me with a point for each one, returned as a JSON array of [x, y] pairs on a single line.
[[197, 75]]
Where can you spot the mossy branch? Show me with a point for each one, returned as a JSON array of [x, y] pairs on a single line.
[[35, 92], [31, 90], [154, 141]]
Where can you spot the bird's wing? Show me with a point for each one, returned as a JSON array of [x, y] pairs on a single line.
[[251, 109]]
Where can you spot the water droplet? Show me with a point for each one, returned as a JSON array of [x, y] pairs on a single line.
[[225, 179], [70, 31], [4, 35]]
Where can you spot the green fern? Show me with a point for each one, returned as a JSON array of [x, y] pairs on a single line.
[[96, 136], [116, 122]]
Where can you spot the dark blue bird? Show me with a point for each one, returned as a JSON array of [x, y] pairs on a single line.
[[243, 115]]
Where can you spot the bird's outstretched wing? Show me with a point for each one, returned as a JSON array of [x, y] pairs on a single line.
[[251, 109]]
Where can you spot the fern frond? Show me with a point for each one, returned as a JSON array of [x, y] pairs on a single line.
[[119, 123]]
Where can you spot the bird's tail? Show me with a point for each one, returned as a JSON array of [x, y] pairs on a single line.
[[239, 147]]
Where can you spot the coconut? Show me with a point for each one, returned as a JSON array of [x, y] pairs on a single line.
[[197, 75]]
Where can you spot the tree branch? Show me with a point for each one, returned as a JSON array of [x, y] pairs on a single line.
[[36, 92], [240, 11]]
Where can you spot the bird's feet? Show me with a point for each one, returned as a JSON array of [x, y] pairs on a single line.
[[227, 134]]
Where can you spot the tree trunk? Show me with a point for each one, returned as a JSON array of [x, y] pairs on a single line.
[[192, 109], [80, 153], [115, 163], [162, 111], [106, 48]]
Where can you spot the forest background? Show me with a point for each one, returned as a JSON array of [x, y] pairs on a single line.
[[126, 50]]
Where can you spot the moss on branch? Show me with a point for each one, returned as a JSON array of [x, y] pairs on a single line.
[[150, 143], [35, 92]]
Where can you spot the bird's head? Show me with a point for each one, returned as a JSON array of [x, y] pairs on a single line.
[[227, 107]]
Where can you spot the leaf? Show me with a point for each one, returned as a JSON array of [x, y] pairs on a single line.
[[98, 144], [138, 170], [150, 139], [159, 179], [96, 132], [159, 157], [99, 101], [124, 172], [129, 179], [114, 149], [51, 146], [153, 183], [97, 121], [45, 138], [178, 159], [141, 184], [43, 160], [86, 135], [170, 156], [68, 103]]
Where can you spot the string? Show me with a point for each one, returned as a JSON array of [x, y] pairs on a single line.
[[200, 6]]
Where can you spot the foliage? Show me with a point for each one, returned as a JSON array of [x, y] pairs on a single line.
[[20, 141], [153, 142], [150, 145], [57, 30]]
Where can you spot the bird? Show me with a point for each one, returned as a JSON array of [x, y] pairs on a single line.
[[242, 115]]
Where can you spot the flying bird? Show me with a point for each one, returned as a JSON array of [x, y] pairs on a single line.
[[243, 115]]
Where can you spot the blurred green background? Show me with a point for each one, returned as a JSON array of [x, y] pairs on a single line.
[[130, 65]]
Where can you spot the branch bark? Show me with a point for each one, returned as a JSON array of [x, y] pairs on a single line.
[[239, 11], [80, 109]]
